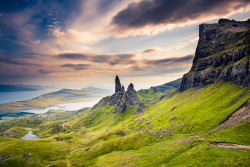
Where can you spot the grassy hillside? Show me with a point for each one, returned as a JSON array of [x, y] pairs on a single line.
[[168, 133], [154, 93]]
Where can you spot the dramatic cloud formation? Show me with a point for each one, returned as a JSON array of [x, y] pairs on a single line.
[[149, 16], [78, 42]]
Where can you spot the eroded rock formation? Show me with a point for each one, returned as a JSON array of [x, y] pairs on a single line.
[[121, 98]]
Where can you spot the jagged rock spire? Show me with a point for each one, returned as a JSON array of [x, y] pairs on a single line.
[[118, 86], [123, 89], [122, 99], [131, 95]]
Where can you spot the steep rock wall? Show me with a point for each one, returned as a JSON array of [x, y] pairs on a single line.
[[223, 53]]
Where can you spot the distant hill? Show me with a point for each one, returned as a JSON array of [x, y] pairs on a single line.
[[155, 92], [62, 96], [167, 86]]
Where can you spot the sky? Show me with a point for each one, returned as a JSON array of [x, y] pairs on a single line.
[[81, 43]]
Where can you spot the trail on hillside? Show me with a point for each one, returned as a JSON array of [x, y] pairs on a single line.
[[191, 131], [239, 115], [222, 145], [230, 145], [234, 119]]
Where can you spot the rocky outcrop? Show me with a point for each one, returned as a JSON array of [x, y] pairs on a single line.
[[222, 54], [56, 128], [10, 135], [120, 98], [131, 95], [140, 109]]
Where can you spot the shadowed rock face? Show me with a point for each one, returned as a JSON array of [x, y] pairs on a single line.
[[222, 54], [131, 95], [117, 84]]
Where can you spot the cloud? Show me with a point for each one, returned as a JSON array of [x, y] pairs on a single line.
[[41, 71], [152, 51], [73, 56], [125, 58], [172, 60], [16, 61], [153, 67], [111, 59], [76, 67], [152, 16]]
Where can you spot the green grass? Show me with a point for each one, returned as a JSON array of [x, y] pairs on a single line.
[[20, 122], [204, 155], [19, 131], [153, 94], [150, 96], [99, 137], [239, 135], [32, 153]]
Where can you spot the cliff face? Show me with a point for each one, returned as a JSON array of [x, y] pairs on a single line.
[[223, 53]]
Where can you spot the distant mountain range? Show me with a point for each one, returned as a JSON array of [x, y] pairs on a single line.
[[62, 96]]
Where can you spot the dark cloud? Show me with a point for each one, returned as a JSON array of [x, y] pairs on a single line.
[[73, 56], [76, 67], [172, 60], [161, 12], [125, 59], [14, 61], [151, 67], [148, 71], [112, 59], [151, 51], [41, 71]]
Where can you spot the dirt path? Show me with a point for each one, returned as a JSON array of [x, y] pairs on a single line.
[[230, 145], [193, 132], [221, 145]]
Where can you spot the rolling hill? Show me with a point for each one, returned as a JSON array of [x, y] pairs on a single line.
[[62, 96]]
